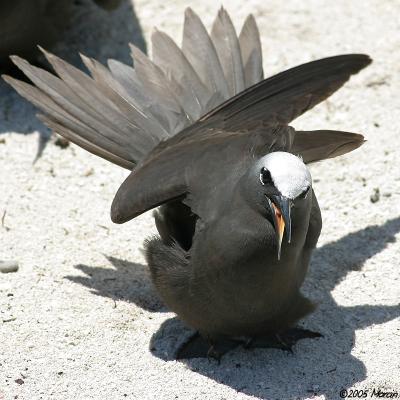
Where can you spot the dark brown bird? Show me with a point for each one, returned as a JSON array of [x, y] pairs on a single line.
[[208, 140], [26, 23]]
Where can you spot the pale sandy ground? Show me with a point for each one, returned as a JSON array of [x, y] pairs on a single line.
[[77, 319]]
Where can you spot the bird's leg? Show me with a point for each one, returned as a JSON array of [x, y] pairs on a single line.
[[195, 347], [271, 341], [214, 354], [283, 340], [200, 347], [248, 343], [221, 346]]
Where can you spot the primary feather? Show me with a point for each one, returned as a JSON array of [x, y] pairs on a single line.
[[226, 42], [201, 53], [170, 58], [127, 111], [250, 47]]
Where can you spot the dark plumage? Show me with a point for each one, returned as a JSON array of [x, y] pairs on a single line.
[[26, 23], [208, 140]]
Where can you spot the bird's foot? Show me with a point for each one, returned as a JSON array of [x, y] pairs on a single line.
[[273, 341], [199, 347], [214, 354], [283, 340]]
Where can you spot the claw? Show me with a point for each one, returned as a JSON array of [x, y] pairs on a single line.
[[285, 346], [213, 354], [283, 340], [199, 347]]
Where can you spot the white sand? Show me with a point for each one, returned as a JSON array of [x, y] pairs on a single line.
[[77, 319]]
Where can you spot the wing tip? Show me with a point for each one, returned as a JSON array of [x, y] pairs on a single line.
[[18, 61], [222, 12], [7, 78], [365, 60], [191, 17], [355, 141], [16, 84], [116, 213], [116, 217], [358, 61], [189, 13], [119, 210]]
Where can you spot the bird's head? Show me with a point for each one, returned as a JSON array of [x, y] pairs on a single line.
[[278, 182]]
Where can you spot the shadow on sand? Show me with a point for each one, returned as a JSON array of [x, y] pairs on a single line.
[[326, 365], [126, 281]]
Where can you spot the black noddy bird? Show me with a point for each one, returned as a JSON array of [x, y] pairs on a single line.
[[208, 141], [26, 23]]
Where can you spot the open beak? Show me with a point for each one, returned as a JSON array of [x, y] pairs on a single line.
[[280, 209]]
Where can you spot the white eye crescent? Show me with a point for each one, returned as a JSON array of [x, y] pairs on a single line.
[[265, 177]]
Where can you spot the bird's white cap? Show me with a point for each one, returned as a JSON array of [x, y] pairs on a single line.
[[288, 172]]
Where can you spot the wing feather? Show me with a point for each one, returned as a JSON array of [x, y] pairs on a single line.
[[170, 58], [323, 144], [77, 129], [287, 95], [250, 47], [200, 52], [226, 43]]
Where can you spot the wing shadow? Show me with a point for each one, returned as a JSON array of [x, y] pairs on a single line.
[[126, 281]]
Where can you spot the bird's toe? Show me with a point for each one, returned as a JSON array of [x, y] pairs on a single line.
[[199, 347], [283, 340]]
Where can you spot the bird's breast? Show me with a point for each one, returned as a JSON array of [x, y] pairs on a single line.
[[238, 271]]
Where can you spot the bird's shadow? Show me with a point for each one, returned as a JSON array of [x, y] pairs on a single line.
[[126, 281], [92, 31], [324, 365]]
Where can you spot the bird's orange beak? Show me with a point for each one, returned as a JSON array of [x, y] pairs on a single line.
[[280, 208]]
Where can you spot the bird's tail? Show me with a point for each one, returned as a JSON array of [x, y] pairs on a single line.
[[120, 113]]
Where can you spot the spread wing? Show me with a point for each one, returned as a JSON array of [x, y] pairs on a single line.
[[200, 166], [195, 168], [252, 123], [287, 95], [191, 120]]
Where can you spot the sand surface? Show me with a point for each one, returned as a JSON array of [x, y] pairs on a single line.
[[78, 319]]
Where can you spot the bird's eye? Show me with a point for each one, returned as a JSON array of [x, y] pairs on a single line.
[[265, 176], [304, 193]]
